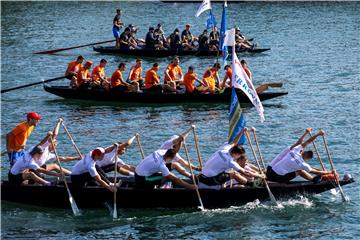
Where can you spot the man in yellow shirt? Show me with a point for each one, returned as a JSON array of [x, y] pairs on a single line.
[[16, 138]]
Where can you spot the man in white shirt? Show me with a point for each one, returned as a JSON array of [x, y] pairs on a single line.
[[291, 162], [25, 168], [85, 170]]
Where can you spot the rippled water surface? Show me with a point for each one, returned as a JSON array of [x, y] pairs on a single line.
[[314, 52]]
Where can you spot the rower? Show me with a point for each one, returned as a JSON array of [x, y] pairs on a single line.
[[189, 80], [217, 169], [162, 36], [291, 162], [98, 75], [16, 139], [83, 78], [152, 81], [125, 40], [135, 73], [187, 38], [173, 73], [175, 39], [27, 169], [228, 76], [118, 84], [117, 25], [150, 39], [204, 40], [85, 170], [211, 78], [74, 68], [214, 39], [240, 40]]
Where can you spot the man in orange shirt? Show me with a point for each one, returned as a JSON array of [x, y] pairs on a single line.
[[211, 78], [228, 75], [189, 80], [83, 76], [173, 73], [135, 73], [98, 75], [117, 82], [74, 68], [17, 137], [152, 81]]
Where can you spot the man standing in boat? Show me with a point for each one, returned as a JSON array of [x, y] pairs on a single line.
[[151, 171], [16, 139], [291, 162], [117, 25]]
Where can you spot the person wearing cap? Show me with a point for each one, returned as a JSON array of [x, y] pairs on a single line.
[[117, 82], [152, 170], [27, 169], [74, 68], [85, 171], [173, 73], [135, 73], [98, 75], [117, 25], [16, 139], [175, 39], [83, 77], [204, 40]]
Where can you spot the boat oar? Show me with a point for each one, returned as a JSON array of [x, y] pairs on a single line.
[[272, 197], [140, 147], [32, 84], [197, 146], [69, 48], [317, 153], [71, 139], [193, 177], [115, 215], [258, 147], [74, 207], [345, 199]]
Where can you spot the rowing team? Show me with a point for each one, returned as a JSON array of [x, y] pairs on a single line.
[[210, 83], [228, 165]]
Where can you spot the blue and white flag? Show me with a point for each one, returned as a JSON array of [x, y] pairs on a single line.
[[224, 49], [236, 119], [205, 5], [210, 22]]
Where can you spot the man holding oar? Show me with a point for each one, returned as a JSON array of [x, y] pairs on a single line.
[[151, 171], [17, 138], [291, 162], [74, 68]]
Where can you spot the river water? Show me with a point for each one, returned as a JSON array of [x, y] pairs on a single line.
[[314, 52]]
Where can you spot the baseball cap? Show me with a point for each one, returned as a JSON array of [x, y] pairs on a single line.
[[33, 115], [97, 151]]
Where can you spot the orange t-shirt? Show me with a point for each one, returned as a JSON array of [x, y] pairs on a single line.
[[136, 73], [75, 67], [189, 80], [19, 136], [98, 72], [248, 72], [229, 75], [151, 78], [209, 78], [115, 78], [82, 75], [174, 72]]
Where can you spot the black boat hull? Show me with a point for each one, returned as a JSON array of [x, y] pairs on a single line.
[[102, 95], [95, 197], [166, 53]]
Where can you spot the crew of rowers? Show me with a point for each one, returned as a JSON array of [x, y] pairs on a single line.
[[157, 40], [81, 77], [229, 163]]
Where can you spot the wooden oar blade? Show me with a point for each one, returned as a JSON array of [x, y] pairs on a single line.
[[115, 215]]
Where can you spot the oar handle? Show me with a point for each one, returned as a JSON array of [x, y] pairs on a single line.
[[317, 151], [71, 139], [197, 146], [140, 146]]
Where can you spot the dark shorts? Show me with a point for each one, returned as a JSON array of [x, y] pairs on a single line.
[[15, 180], [108, 168], [168, 165], [154, 89], [219, 179], [271, 175], [81, 179], [148, 182]]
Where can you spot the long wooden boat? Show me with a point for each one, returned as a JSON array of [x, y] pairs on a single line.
[[130, 197], [112, 96], [170, 52]]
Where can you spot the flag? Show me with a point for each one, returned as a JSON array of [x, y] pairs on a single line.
[[229, 38], [203, 7], [210, 22], [236, 119], [223, 48], [241, 80]]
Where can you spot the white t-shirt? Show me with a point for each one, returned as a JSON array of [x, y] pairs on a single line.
[[169, 144], [219, 162], [23, 163], [152, 164], [291, 162], [87, 164], [280, 156], [46, 156], [109, 159]]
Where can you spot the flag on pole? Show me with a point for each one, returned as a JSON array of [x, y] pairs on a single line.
[[224, 49], [236, 119], [210, 22], [203, 7]]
